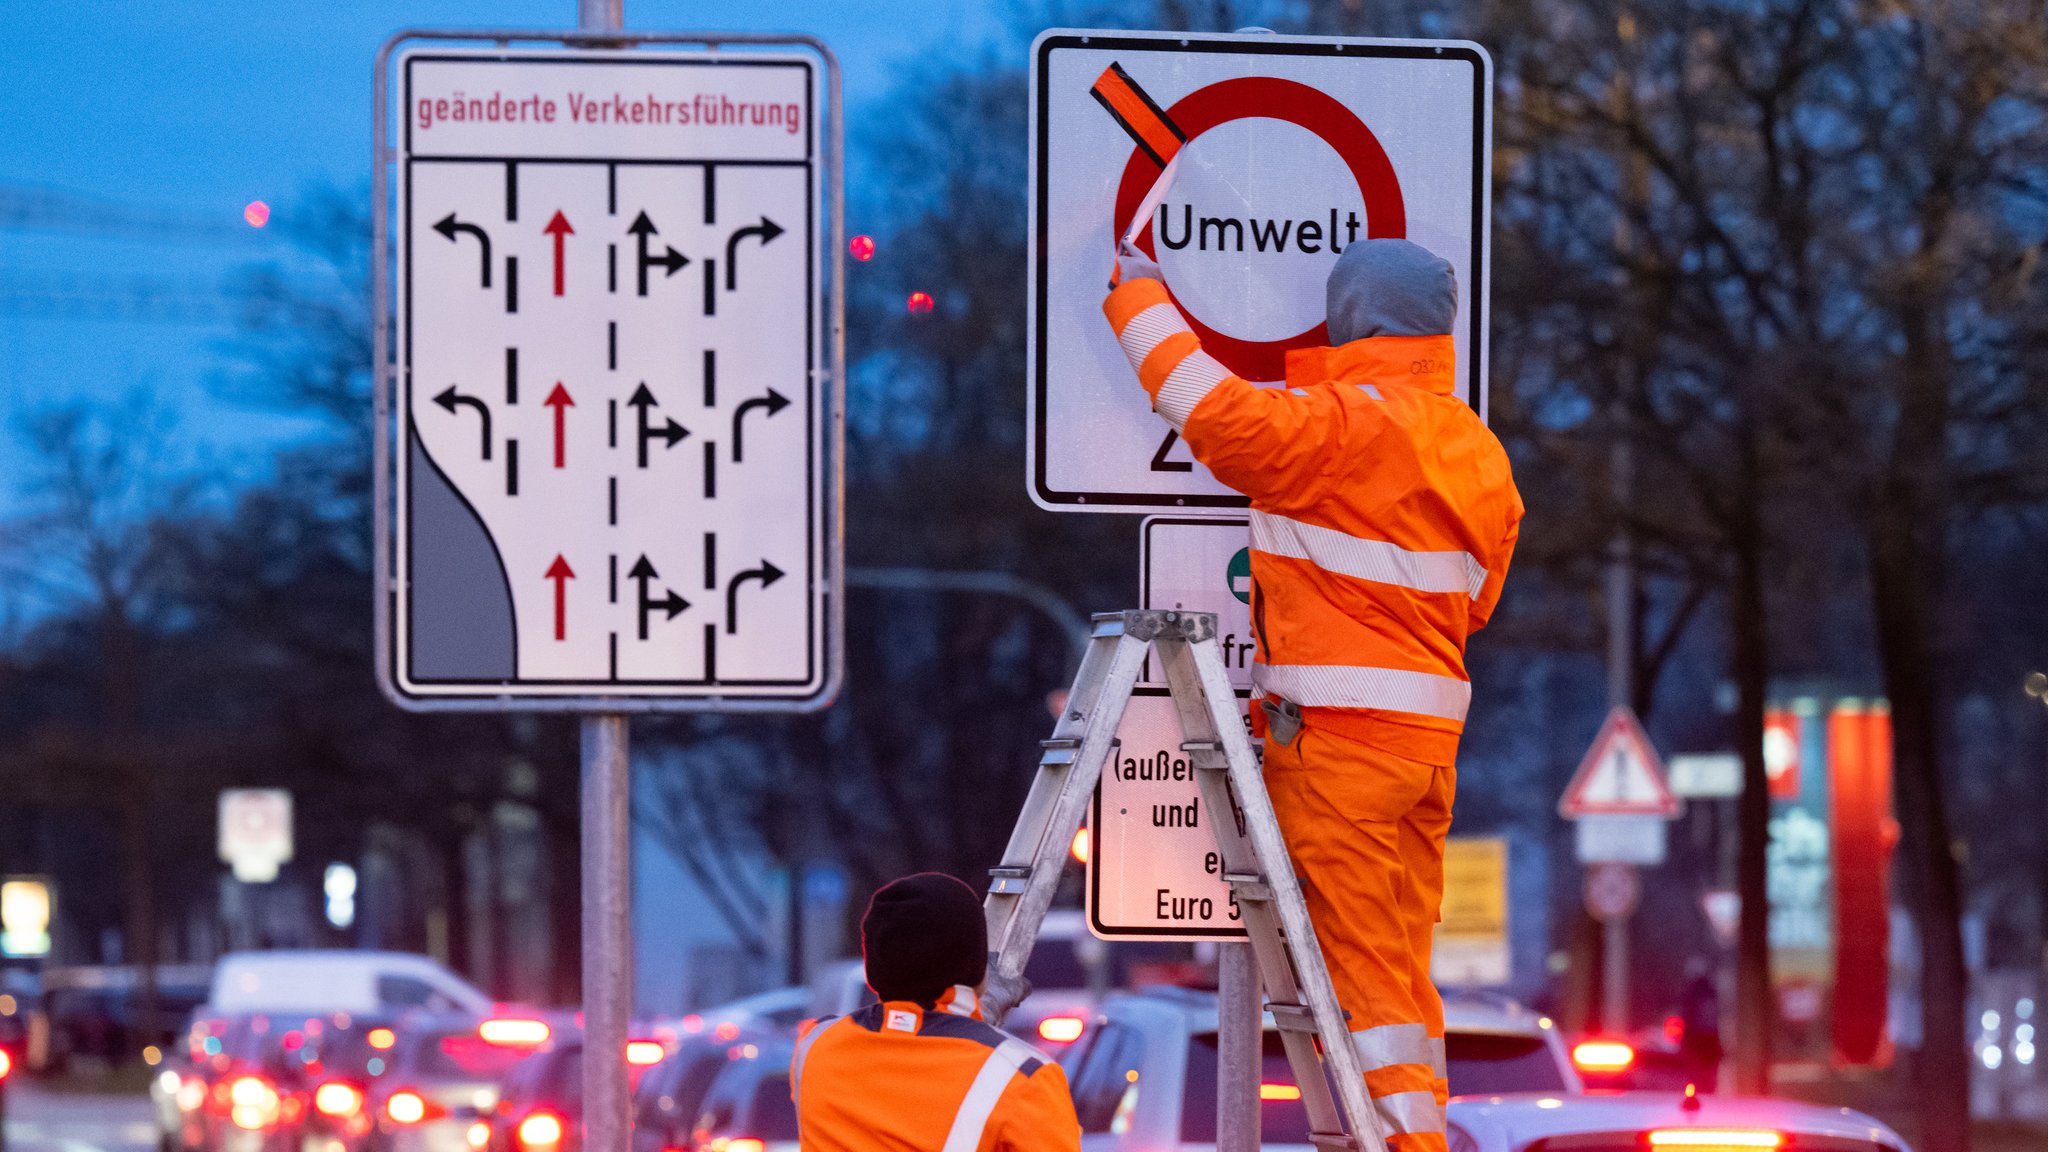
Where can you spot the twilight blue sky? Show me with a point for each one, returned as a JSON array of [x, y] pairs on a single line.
[[175, 113]]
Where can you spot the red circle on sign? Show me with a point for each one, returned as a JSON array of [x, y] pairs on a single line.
[[1274, 99]]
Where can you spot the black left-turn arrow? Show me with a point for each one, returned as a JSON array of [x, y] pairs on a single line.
[[449, 226], [450, 398], [674, 605], [774, 402], [767, 574], [767, 230]]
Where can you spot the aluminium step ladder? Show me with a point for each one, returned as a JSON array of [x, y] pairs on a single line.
[[1290, 963]]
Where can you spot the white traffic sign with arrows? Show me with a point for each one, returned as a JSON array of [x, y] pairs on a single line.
[[1285, 150], [616, 437], [1622, 775]]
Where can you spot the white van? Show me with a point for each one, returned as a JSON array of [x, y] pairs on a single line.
[[339, 981]]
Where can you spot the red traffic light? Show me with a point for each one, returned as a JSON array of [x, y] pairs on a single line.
[[862, 248], [920, 303]]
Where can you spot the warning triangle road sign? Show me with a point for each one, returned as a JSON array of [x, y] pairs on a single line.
[[1622, 775]]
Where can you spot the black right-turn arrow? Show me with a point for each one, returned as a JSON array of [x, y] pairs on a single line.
[[767, 230], [767, 574]]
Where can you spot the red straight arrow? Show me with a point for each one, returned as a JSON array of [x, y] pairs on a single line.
[[560, 401], [561, 574], [559, 228]]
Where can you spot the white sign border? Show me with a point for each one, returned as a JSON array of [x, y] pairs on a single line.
[[829, 379], [1038, 191]]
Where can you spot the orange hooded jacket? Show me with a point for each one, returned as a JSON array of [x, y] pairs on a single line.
[[1383, 517], [896, 1077]]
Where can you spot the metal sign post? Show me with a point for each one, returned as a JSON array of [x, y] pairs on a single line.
[[616, 487]]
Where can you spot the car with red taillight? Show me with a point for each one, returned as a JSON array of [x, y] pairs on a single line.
[[443, 1078], [669, 1098], [748, 1107], [1660, 1122], [540, 1108]]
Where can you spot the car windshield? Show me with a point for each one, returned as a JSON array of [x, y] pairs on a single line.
[[1484, 1064], [1058, 964], [460, 1054], [1281, 1121]]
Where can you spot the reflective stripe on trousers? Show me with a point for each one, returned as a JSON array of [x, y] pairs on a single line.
[[980, 1102]]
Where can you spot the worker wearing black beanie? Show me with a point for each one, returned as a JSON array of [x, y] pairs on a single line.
[[923, 936], [922, 1069]]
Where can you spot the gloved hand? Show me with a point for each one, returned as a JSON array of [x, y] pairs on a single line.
[[1133, 265]]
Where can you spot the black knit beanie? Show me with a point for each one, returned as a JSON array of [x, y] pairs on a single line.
[[922, 935]]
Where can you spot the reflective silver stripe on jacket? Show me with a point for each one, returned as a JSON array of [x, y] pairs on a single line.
[[1375, 560], [1439, 1062], [1351, 686], [1147, 329], [1191, 380], [980, 1102], [1409, 1112], [803, 1050], [1391, 1044]]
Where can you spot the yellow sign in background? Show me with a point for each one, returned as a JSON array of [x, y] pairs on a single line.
[[1472, 934]]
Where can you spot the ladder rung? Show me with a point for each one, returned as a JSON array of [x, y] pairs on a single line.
[[1062, 750], [1009, 880], [1332, 1140], [1293, 1018], [1249, 886], [1106, 624]]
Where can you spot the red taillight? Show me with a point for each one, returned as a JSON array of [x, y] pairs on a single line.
[[540, 1130], [1279, 1092], [1079, 848], [643, 1053], [919, 303], [1603, 1056], [1717, 1139], [514, 1032], [478, 1136], [1061, 1029], [6, 1064], [337, 1099], [252, 1103], [736, 1144], [406, 1106], [862, 247]]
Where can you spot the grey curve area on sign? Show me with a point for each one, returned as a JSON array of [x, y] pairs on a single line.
[[462, 626]]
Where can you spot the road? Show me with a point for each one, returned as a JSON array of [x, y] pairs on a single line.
[[39, 1120]]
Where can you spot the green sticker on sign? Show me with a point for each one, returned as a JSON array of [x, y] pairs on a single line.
[[1240, 575]]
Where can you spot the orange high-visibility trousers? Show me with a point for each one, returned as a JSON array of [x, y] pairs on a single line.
[[1365, 829]]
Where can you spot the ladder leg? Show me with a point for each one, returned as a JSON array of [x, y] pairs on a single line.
[[1021, 888], [1266, 891]]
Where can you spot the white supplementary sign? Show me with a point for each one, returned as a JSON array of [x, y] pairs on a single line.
[[614, 397], [1286, 150], [1202, 564], [1706, 775], [1154, 872], [1619, 839], [1621, 775]]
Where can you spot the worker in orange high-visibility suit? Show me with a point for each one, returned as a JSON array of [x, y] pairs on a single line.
[[1383, 515], [921, 1071]]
